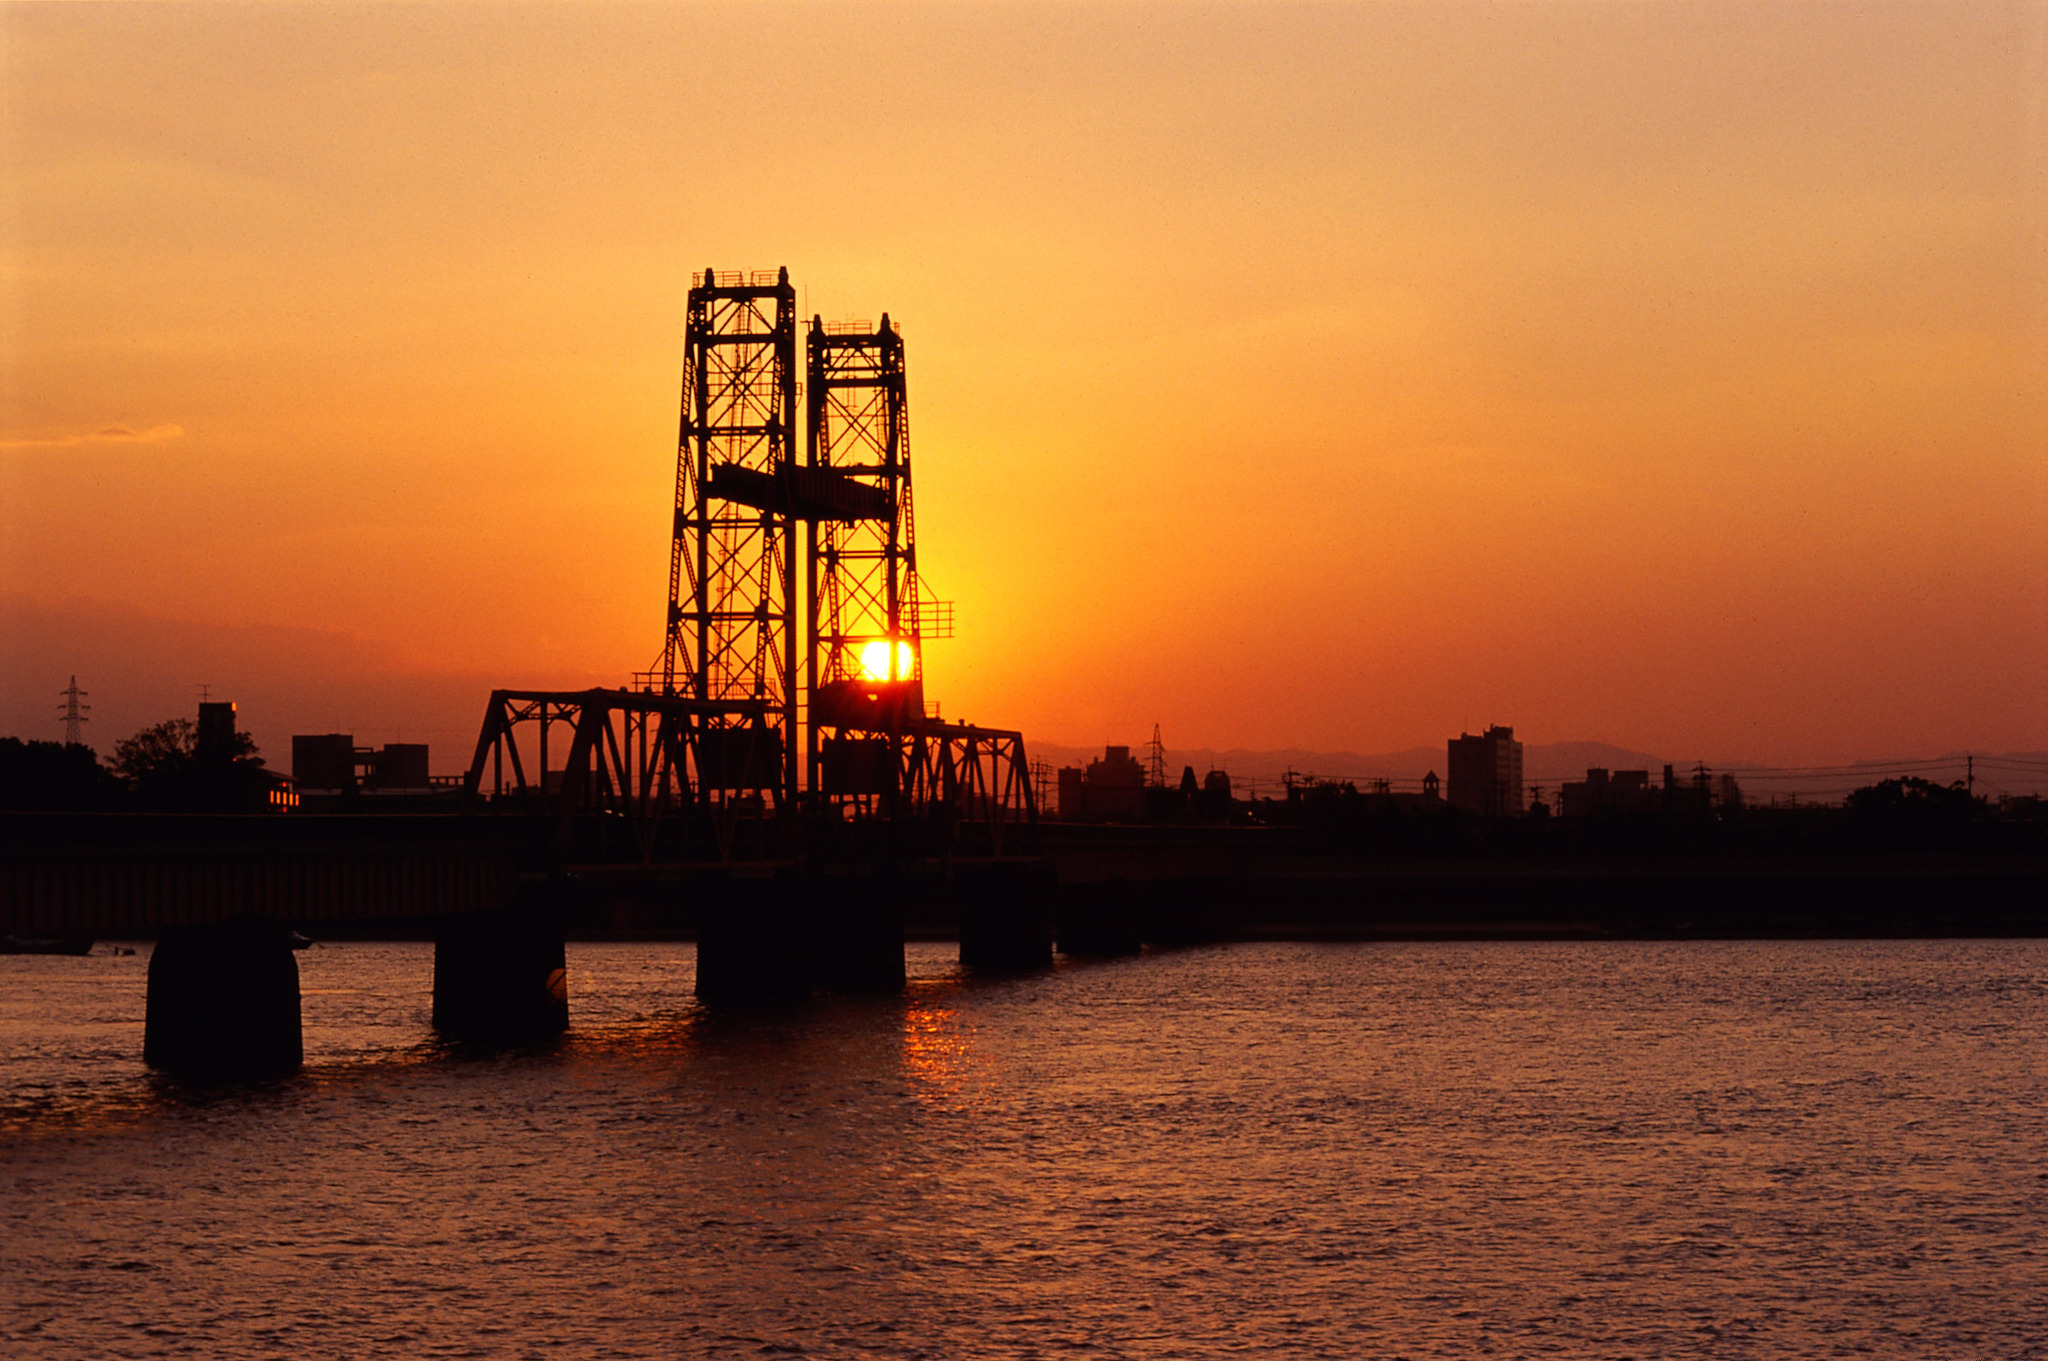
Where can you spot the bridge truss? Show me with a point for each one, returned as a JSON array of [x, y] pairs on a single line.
[[641, 763], [624, 774], [974, 782], [854, 741], [865, 655], [732, 564]]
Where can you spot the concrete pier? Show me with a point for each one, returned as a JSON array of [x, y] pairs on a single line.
[[857, 933], [1186, 911], [224, 1001], [1006, 915], [1102, 919], [754, 945], [502, 976], [773, 941]]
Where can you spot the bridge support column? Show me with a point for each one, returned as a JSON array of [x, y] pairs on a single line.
[[1005, 915], [223, 1002], [1100, 919], [857, 933], [755, 944], [1186, 911], [501, 975]]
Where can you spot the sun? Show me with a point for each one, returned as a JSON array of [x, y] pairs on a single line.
[[874, 660]]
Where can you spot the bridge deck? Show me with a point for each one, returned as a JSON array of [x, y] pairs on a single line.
[[107, 873]]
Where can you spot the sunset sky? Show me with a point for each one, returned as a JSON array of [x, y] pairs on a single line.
[[1337, 376]]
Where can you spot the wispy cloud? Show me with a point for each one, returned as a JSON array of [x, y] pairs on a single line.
[[105, 434]]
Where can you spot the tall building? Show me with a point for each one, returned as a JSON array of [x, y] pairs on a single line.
[[1486, 773], [1109, 790]]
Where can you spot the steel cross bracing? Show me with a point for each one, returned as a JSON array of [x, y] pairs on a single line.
[[732, 565], [974, 782], [605, 761], [865, 656], [869, 747]]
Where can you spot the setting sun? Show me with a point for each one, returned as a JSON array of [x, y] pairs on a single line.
[[874, 660]]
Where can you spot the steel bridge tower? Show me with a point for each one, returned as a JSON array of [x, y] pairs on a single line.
[[732, 566], [866, 656]]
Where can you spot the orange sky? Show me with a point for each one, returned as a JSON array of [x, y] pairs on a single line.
[[1329, 376]]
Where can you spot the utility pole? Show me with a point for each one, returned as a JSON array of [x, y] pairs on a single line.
[[74, 714]]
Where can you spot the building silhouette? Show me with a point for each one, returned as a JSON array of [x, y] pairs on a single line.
[[1605, 793], [332, 763], [1109, 790], [1486, 773]]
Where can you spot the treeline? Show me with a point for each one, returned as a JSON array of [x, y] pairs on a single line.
[[1891, 815], [156, 770]]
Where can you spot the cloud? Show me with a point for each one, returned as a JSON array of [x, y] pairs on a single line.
[[105, 434]]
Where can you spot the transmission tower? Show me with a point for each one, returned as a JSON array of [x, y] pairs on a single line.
[[1155, 764], [74, 714], [866, 655], [731, 578]]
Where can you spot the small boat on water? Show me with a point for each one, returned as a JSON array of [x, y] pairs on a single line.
[[45, 945]]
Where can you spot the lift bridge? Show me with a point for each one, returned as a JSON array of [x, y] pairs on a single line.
[[786, 720], [778, 780]]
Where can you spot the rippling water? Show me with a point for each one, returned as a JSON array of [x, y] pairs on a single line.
[[1701, 1149]]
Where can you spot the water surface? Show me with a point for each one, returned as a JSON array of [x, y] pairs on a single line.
[[1775, 1149]]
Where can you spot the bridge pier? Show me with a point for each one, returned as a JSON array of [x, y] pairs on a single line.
[[1186, 911], [1006, 915], [1100, 919], [224, 1001], [754, 944], [773, 941], [857, 933], [502, 975]]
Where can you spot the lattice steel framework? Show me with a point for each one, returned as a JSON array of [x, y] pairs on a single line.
[[631, 759], [978, 783], [865, 658], [731, 581]]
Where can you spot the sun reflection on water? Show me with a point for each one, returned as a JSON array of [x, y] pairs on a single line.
[[937, 1050]]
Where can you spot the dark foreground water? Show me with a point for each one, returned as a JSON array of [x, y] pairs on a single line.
[[1591, 1150]]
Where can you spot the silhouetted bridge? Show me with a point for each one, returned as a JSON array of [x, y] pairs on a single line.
[[112, 874], [779, 907], [495, 889]]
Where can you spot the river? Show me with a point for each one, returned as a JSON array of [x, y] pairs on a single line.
[[1699, 1149]]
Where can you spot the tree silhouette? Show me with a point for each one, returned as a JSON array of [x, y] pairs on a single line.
[[161, 762]]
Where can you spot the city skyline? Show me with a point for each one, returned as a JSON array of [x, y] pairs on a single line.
[[1336, 378]]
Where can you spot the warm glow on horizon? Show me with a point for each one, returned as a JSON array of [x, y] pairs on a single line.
[[1329, 376]]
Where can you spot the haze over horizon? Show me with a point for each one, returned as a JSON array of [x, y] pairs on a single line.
[[1674, 376]]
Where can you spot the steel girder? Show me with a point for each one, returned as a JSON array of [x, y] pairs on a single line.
[[974, 782], [861, 588], [732, 566], [639, 760]]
